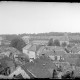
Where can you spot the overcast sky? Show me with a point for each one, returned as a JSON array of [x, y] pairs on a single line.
[[39, 17]]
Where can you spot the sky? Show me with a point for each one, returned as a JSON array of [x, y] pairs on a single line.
[[39, 17]]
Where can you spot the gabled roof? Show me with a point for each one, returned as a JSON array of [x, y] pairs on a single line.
[[27, 46], [32, 47], [11, 49], [40, 67]]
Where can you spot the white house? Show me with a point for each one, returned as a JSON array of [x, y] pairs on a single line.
[[30, 50], [25, 49]]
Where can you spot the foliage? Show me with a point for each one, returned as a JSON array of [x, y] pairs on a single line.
[[18, 43], [64, 44], [56, 42], [50, 43]]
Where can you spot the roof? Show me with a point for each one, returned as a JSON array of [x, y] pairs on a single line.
[[58, 48], [60, 53], [40, 67], [23, 56], [11, 49], [32, 47], [6, 62], [41, 49], [38, 47], [75, 49], [71, 60], [54, 51], [27, 46]]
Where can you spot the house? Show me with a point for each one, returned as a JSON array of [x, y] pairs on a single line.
[[18, 71], [55, 53], [21, 59], [7, 64], [9, 51], [60, 56], [25, 49], [31, 50], [41, 67]]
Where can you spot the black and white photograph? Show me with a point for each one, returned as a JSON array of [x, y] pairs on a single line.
[[39, 40]]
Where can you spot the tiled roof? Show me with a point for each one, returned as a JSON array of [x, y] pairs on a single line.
[[27, 46], [41, 49], [60, 52], [40, 67], [23, 56], [38, 47], [52, 52], [11, 49], [75, 49], [32, 47]]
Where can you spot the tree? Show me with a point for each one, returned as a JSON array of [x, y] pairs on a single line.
[[50, 43], [18, 43], [64, 44], [56, 42]]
